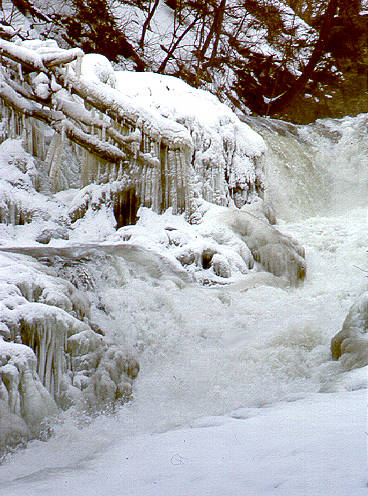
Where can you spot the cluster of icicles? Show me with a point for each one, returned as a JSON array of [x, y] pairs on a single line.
[[52, 355], [46, 102]]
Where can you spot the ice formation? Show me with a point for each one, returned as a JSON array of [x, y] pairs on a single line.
[[61, 361], [275, 252], [85, 157], [192, 147], [66, 101], [350, 345], [227, 158], [24, 401]]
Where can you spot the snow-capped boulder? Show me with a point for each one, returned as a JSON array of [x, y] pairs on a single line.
[[274, 251], [48, 234], [350, 345]]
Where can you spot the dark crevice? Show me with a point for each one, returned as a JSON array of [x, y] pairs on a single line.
[[126, 204]]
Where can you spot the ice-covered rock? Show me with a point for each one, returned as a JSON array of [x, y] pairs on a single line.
[[274, 251], [51, 353], [220, 266], [104, 374], [350, 345], [48, 234], [24, 402]]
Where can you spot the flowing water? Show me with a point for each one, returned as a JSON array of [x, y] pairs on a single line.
[[209, 351]]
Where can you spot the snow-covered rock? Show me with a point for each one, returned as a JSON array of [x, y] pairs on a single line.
[[24, 402], [51, 353], [275, 252], [350, 345]]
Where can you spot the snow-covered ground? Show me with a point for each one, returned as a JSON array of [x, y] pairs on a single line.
[[310, 447]]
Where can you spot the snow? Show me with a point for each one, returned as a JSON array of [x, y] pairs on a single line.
[[222, 143], [309, 447], [98, 68]]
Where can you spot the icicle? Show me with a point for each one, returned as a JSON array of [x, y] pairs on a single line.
[[51, 151], [118, 171], [20, 72], [179, 185], [98, 178], [12, 214], [156, 179], [42, 357], [180, 181], [63, 132], [170, 177], [41, 153], [78, 66], [151, 179], [146, 185], [24, 130], [49, 357], [48, 339], [112, 172], [186, 182], [12, 124], [55, 161], [141, 183]]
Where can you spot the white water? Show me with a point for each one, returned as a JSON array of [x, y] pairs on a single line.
[[207, 352]]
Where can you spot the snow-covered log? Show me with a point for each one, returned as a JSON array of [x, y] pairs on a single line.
[[86, 110]]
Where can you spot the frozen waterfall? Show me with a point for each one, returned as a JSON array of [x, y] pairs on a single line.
[[227, 313]]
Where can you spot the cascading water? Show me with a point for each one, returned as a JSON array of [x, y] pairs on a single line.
[[315, 170], [209, 351]]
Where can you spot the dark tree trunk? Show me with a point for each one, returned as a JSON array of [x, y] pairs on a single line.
[[287, 98]]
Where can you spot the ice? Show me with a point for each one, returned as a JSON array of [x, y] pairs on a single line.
[[227, 154], [350, 345], [59, 350], [20, 202], [159, 321], [277, 253], [200, 149], [24, 402]]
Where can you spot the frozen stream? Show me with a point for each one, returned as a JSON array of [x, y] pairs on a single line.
[[237, 359]]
